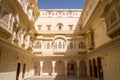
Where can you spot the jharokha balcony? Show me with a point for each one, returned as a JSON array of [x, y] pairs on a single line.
[[114, 29]]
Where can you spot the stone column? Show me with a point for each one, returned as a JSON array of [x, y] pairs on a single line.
[[78, 71], [41, 67], [53, 65], [66, 62]]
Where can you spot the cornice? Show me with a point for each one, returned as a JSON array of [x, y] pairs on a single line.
[[63, 10], [7, 45], [106, 47]]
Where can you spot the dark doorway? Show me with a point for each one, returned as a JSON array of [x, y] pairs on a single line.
[[60, 70], [18, 71], [71, 69], [82, 68], [94, 68], [24, 68], [100, 68], [90, 68]]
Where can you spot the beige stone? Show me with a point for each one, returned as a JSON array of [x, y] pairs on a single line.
[[65, 42]]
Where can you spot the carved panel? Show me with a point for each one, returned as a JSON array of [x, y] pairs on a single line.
[[6, 10], [5, 17], [112, 19], [90, 40]]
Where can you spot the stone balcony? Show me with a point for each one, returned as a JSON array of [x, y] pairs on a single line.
[[82, 52], [114, 29], [4, 32], [59, 51], [58, 32]]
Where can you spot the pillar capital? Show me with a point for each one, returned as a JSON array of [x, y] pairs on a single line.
[[41, 63], [66, 62], [53, 63], [41, 67]]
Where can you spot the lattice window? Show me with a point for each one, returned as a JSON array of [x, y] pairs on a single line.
[[60, 45], [48, 45], [38, 45]]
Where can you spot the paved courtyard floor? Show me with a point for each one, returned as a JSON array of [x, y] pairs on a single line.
[[58, 78]]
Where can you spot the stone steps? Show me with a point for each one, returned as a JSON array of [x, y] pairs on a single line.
[[58, 78]]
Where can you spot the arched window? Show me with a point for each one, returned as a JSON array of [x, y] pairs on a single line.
[[66, 13], [35, 46], [52, 13], [63, 45], [59, 45], [43, 13], [38, 45], [81, 45], [76, 13], [55, 44], [48, 45]]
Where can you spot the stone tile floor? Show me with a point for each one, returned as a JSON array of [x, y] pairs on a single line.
[[58, 78]]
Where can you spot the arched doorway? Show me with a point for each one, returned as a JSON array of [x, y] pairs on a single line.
[[100, 68], [72, 68], [94, 68], [24, 68], [47, 68], [90, 68], [83, 70], [18, 71], [60, 68]]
